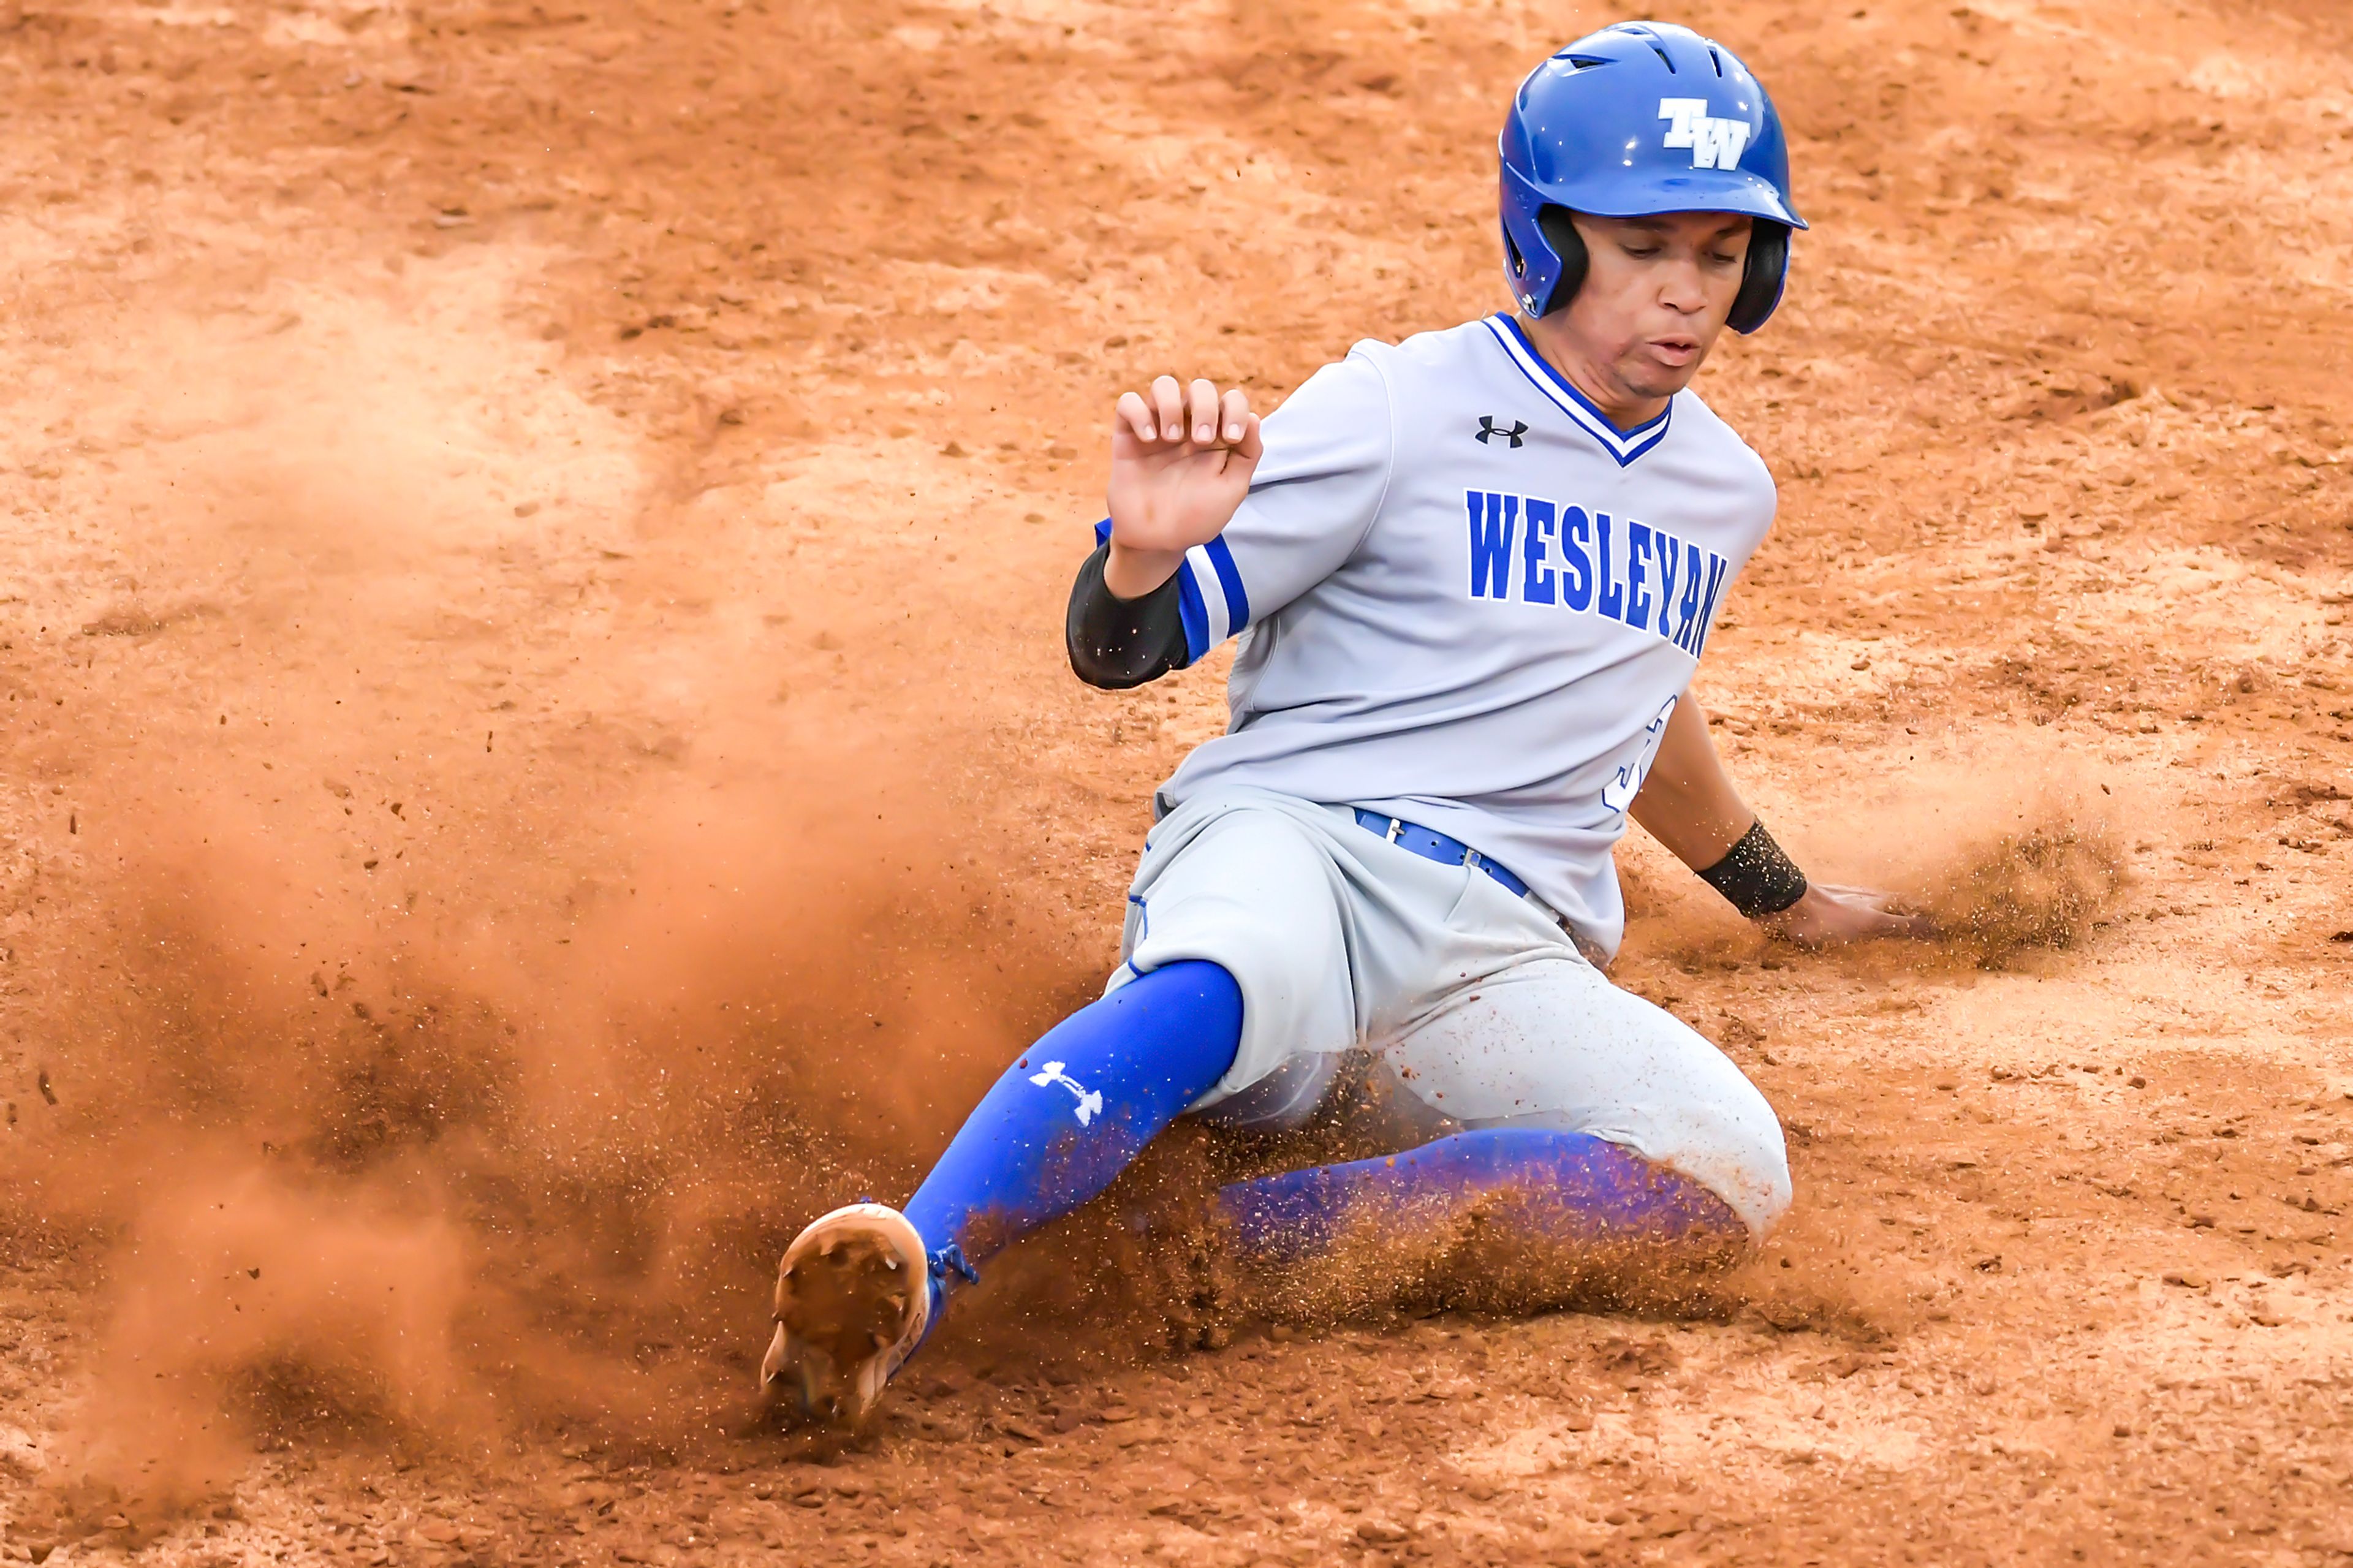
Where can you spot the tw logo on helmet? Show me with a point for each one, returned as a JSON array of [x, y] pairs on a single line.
[[1715, 144]]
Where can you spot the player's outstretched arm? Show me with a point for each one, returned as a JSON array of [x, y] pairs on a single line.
[[1181, 462], [1688, 803]]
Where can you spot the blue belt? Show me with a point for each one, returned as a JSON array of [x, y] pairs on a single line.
[[1433, 846]]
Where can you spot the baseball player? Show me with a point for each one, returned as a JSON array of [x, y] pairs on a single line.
[[1470, 575]]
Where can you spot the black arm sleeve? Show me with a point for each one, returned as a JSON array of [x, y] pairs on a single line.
[[1119, 643]]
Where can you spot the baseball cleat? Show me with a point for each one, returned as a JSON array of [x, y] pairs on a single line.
[[854, 1297]]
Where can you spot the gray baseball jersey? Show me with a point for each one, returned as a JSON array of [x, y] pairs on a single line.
[[1467, 600]]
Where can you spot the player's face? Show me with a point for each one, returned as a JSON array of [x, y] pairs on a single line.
[[1656, 292]]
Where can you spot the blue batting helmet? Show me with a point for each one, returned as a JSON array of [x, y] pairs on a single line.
[[1639, 119]]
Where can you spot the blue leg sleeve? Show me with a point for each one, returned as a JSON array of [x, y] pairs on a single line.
[[1078, 1107], [1577, 1188]]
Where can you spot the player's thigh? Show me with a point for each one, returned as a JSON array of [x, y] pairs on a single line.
[[1256, 893], [1551, 1043]]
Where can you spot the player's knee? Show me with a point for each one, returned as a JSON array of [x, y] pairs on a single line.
[[1752, 1169], [1769, 1169], [1730, 1142]]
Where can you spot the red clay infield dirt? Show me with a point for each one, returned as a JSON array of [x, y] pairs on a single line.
[[538, 756]]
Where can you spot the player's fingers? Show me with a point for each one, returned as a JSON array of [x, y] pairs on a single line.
[[1251, 448], [1888, 919], [1233, 416], [1204, 414], [1168, 403], [1136, 415]]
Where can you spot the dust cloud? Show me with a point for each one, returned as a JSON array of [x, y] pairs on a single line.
[[419, 1088], [2025, 855], [2041, 888]]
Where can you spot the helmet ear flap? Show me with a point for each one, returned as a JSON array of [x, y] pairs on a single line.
[[1560, 233], [1762, 280]]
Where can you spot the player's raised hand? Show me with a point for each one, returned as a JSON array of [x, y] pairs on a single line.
[[1181, 461], [1828, 915]]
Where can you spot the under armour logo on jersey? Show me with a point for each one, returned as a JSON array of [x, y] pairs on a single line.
[[1489, 430], [1090, 1100], [1715, 144]]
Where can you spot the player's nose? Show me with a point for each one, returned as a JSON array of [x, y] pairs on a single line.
[[1682, 290]]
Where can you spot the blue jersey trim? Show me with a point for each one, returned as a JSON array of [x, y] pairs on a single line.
[[1624, 445], [1192, 608], [1229, 579], [1565, 384], [1193, 613]]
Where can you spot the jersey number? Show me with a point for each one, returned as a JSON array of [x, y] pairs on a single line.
[[1620, 793]]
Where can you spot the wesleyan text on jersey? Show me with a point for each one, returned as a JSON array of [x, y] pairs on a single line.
[[1587, 561]]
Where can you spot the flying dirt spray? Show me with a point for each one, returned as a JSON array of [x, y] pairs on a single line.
[[450, 1029]]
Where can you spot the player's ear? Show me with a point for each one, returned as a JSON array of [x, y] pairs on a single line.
[[1560, 232]]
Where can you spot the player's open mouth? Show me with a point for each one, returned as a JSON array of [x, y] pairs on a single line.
[[1674, 350]]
